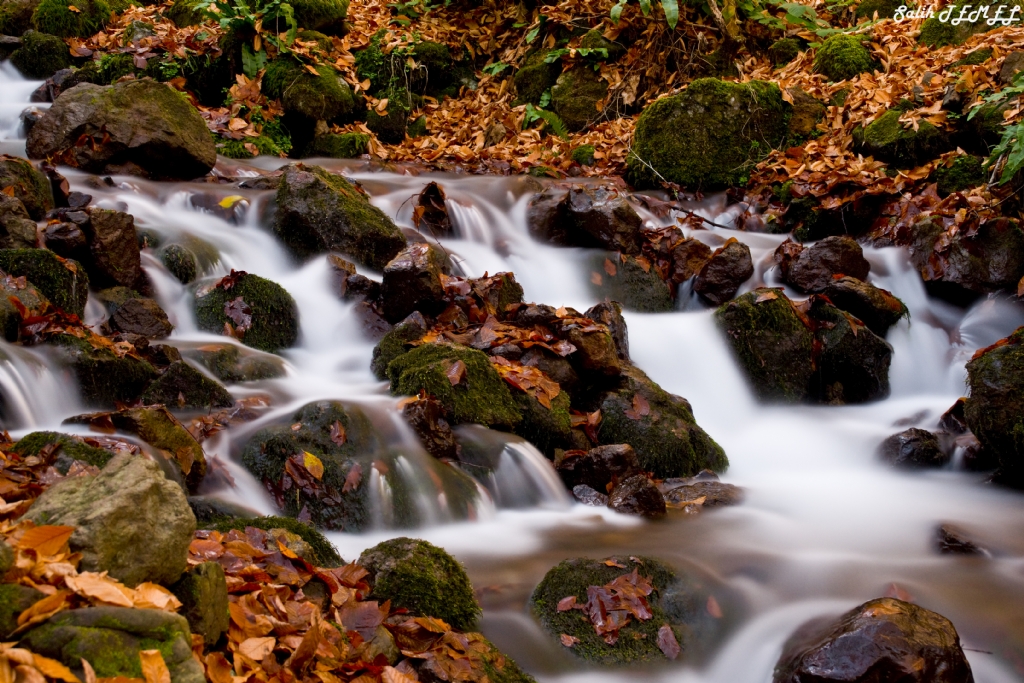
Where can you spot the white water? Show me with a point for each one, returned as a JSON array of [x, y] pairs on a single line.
[[824, 526]]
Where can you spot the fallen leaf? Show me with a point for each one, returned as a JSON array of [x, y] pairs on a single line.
[[567, 640], [456, 372], [766, 296], [45, 540], [614, 563], [338, 435], [99, 587], [152, 596], [257, 648], [313, 465], [566, 604], [154, 669], [667, 642]]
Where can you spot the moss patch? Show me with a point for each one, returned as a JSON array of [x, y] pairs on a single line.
[[29, 186], [576, 95], [185, 13], [339, 146], [535, 77], [68, 448], [391, 127], [965, 172], [57, 18], [321, 97], [841, 57], [103, 377], [63, 282], [583, 155], [888, 140], [274, 317]]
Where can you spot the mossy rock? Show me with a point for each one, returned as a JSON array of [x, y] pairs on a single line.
[[391, 127], [274, 317], [323, 552], [423, 579], [842, 57], [886, 9], [14, 599], [184, 13], [28, 185], [668, 441], [984, 129], [808, 221], [679, 599], [67, 449], [382, 70], [326, 16], [322, 40], [322, 97], [113, 298], [535, 77], [888, 140], [16, 18], [635, 287], [583, 155], [965, 172], [57, 18], [707, 136], [203, 592], [418, 128], [339, 145], [595, 40], [17, 303], [936, 33], [481, 397], [181, 262], [228, 363], [182, 386], [436, 70], [103, 378], [63, 282], [546, 428], [994, 411], [110, 639], [974, 58], [575, 96], [851, 363], [392, 344], [784, 50]]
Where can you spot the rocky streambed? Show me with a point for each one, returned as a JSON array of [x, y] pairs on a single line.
[[497, 366]]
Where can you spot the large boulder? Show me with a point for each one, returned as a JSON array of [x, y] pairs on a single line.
[[129, 520], [114, 249], [142, 127], [877, 308], [104, 377], [421, 578], [41, 55], [27, 184], [584, 216], [727, 269], [986, 259], [412, 282], [57, 18], [319, 211], [111, 638], [812, 269], [994, 411], [882, 640], [888, 139], [843, 56], [258, 312], [309, 97], [708, 136]]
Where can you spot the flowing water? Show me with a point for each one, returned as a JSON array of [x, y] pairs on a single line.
[[824, 526]]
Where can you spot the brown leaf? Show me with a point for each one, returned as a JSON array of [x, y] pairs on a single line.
[[456, 372], [566, 604], [640, 409], [99, 587], [667, 642], [154, 669], [45, 540], [51, 668], [338, 435], [43, 609], [567, 640], [240, 313], [393, 675], [353, 478], [610, 268], [770, 295], [218, 668], [257, 648], [614, 563]]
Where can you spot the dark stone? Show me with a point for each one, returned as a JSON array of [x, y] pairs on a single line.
[[1012, 65], [64, 283], [952, 540], [182, 386], [688, 258], [598, 217], [535, 314], [609, 314], [412, 282], [203, 592], [79, 200], [598, 467], [877, 308], [637, 495], [426, 417], [114, 247], [28, 185], [729, 267], [588, 496], [914, 448], [812, 269], [852, 361], [180, 262], [143, 317], [882, 640], [66, 240], [715, 493], [17, 229], [341, 271], [994, 411], [986, 260], [595, 352]]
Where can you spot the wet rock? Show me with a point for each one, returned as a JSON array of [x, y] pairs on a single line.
[[852, 361], [461, 378], [412, 282], [546, 427], [609, 314], [143, 317], [17, 230], [812, 269], [598, 217], [258, 312], [637, 495], [14, 599], [392, 345], [66, 240], [953, 540], [19, 299], [689, 256], [318, 211], [341, 271], [181, 262], [114, 249], [110, 639], [182, 386], [882, 640], [229, 363], [104, 378], [203, 592], [423, 579], [994, 411], [63, 449], [659, 426], [596, 353], [138, 126], [30, 186], [631, 281], [588, 496], [426, 417], [877, 308], [128, 505], [990, 259], [914, 448], [599, 467], [705, 485], [728, 268], [64, 283]]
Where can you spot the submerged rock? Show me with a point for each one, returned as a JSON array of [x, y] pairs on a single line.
[[951, 539], [913, 448], [882, 640], [423, 579], [229, 363], [637, 495], [598, 217], [182, 386], [129, 520]]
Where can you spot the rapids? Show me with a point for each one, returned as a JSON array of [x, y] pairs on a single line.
[[825, 526]]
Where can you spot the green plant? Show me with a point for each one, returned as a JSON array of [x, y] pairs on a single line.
[[1011, 145], [495, 68], [409, 10], [670, 7], [551, 120], [253, 21]]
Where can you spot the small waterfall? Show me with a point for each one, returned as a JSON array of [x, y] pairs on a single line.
[[33, 389]]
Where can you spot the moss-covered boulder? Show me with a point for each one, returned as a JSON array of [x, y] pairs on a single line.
[[318, 552], [393, 344], [229, 363], [437, 73], [988, 259], [17, 230], [887, 139], [16, 18], [583, 155], [63, 282], [339, 145], [110, 639], [17, 302], [421, 578], [842, 57], [784, 50], [318, 211], [940, 31], [707, 136], [659, 426], [262, 314], [185, 13], [180, 261], [203, 592], [535, 77], [326, 16], [57, 17], [104, 378], [576, 97], [63, 450], [324, 96], [679, 600], [14, 599], [631, 282], [182, 386], [983, 128], [478, 394], [141, 126], [877, 308], [886, 9], [28, 185], [851, 362], [545, 427], [994, 411], [391, 124], [962, 173]]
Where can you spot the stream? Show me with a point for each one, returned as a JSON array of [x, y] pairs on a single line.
[[825, 525]]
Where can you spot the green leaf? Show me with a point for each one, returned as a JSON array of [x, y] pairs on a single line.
[[554, 55], [671, 8], [495, 68], [645, 7], [545, 98], [617, 11]]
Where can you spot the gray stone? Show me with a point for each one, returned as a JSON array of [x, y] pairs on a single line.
[[203, 592]]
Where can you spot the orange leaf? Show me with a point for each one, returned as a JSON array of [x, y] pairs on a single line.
[[154, 669], [311, 70], [99, 587], [218, 668], [51, 668], [257, 648], [456, 373], [567, 640], [43, 609], [151, 596], [609, 268], [393, 675], [46, 540]]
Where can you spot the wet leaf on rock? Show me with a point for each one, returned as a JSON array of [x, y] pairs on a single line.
[[239, 313], [641, 408], [568, 641], [456, 373], [313, 465], [667, 642], [338, 435]]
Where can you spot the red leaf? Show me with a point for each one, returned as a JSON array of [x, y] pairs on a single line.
[[566, 604], [338, 435], [667, 642], [567, 640], [240, 313], [352, 479], [640, 408], [610, 268]]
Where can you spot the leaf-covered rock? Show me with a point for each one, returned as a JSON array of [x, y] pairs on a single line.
[[261, 313], [64, 282]]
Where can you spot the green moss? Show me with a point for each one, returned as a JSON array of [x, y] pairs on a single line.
[[323, 41], [391, 127], [321, 97], [56, 17], [324, 553], [545, 428], [103, 377], [14, 599], [482, 397], [339, 146], [275, 317], [418, 128], [327, 16], [115, 66], [583, 155], [29, 185], [535, 77], [842, 57], [886, 9], [638, 640], [16, 17], [965, 172], [180, 261], [423, 579], [384, 71], [576, 95], [936, 33], [68, 448], [784, 51], [228, 364], [392, 345], [636, 288], [182, 386], [709, 135], [888, 140], [501, 669], [973, 58], [185, 13], [63, 282], [265, 146]]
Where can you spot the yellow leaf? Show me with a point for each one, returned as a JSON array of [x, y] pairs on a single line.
[[230, 201], [46, 540], [74, 9], [51, 668], [99, 587], [154, 669], [313, 464]]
